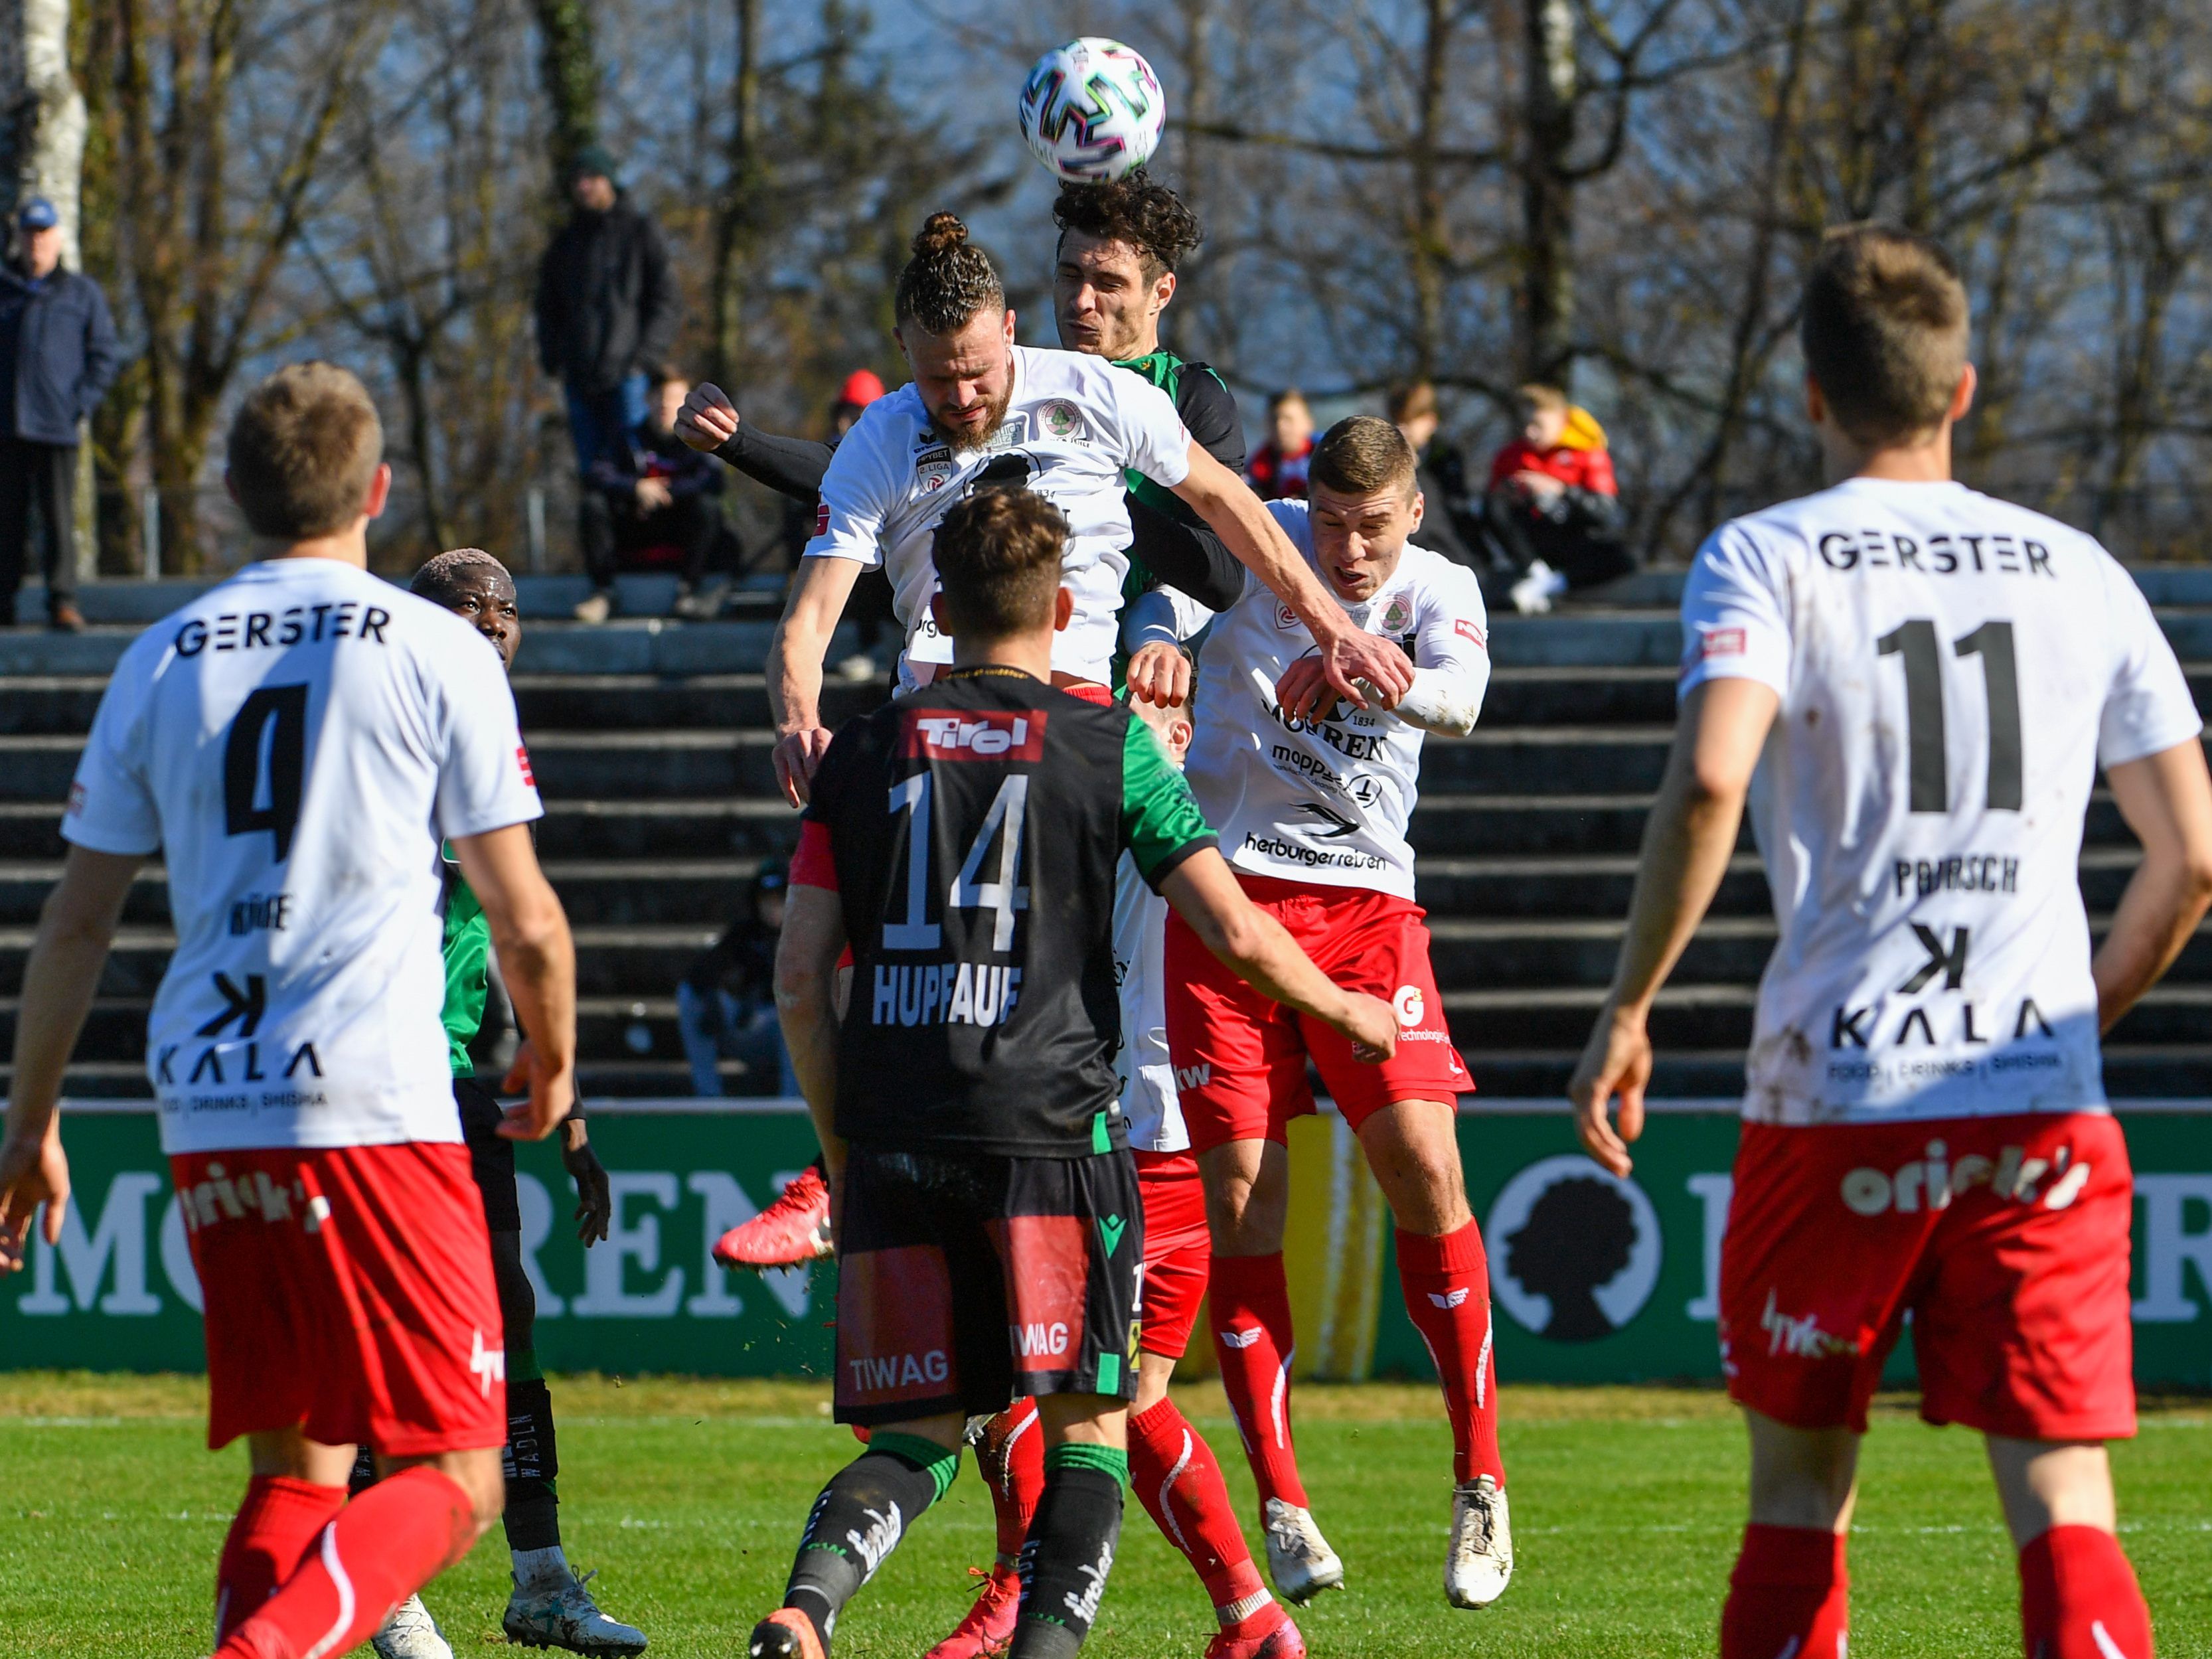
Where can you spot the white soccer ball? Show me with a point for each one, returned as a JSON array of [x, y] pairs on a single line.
[[1092, 110]]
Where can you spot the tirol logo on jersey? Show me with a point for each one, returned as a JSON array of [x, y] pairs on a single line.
[[1060, 418], [822, 519], [950, 735]]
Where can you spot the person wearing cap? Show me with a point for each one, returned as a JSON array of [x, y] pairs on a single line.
[[57, 358], [607, 310]]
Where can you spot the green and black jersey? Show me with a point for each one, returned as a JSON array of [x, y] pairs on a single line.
[[1209, 413], [468, 966], [973, 829]]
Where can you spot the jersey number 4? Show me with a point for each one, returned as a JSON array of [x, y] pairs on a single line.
[[1002, 895], [1915, 643], [265, 764]]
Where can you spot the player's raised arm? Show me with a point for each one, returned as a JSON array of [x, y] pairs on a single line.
[[1349, 655], [75, 929], [537, 957], [1688, 841], [818, 600]]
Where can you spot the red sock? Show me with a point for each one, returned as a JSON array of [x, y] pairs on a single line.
[[2079, 1599], [1251, 1304], [1446, 1282], [274, 1527], [1790, 1594], [1179, 1483], [1011, 1458], [384, 1546]]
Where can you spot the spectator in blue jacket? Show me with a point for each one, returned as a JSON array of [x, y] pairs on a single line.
[[57, 359]]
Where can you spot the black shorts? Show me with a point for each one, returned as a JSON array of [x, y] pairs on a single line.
[[491, 1155], [965, 1281]]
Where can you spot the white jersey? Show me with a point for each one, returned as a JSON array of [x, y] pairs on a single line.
[[1074, 426], [1953, 669], [295, 743], [1326, 802], [1148, 1104]]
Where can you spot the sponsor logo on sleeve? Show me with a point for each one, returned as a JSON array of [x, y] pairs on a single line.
[[522, 760], [822, 519], [951, 734], [1720, 642], [1472, 631]]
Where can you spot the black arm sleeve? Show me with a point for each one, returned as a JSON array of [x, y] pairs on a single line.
[[1189, 556], [1210, 412], [793, 466]]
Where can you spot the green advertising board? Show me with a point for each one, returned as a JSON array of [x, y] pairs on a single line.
[[1619, 1298]]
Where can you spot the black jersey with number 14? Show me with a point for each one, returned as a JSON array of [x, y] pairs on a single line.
[[974, 827]]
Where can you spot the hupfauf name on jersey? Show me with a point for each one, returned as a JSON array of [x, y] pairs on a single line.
[[945, 993], [273, 629], [1941, 555], [1961, 872], [955, 735]]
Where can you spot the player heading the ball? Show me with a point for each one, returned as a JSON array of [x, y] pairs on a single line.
[[294, 743], [964, 838], [1932, 679]]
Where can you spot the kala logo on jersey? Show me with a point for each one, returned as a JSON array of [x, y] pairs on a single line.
[[948, 734], [1576, 1249]]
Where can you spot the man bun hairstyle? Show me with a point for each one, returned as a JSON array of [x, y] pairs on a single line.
[[1361, 455], [998, 558], [1884, 331], [442, 579], [948, 280], [1136, 209], [303, 450]]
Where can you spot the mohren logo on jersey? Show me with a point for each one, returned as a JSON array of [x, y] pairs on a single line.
[[1721, 642], [951, 734]]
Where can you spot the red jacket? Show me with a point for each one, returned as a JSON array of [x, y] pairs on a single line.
[[1578, 469], [1275, 476]]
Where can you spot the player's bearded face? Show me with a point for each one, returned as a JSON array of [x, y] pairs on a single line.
[[1358, 539], [965, 380]]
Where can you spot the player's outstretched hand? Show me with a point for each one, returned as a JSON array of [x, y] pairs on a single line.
[[797, 754], [595, 1207], [1304, 690], [552, 1095], [1372, 1025], [1366, 668], [1616, 1062], [1160, 674], [709, 419], [31, 1173]]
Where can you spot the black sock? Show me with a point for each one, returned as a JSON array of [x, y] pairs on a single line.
[[364, 1472], [859, 1519], [1070, 1549], [532, 1516]]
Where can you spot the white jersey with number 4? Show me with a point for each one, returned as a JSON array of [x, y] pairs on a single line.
[[1074, 425], [295, 743], [1951, 670], [1326, 801]]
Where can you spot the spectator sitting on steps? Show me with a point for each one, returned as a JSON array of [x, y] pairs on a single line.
[[1277, 471], [1553, 510], [651, 503], [1439, 473], [726, 1001]]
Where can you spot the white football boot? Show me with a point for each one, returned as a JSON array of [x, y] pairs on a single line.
[[1299, 1558], [1478, 1562], [559, 1612], [410, 1633]]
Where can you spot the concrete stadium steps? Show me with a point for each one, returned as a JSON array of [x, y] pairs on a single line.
[[649, 738]]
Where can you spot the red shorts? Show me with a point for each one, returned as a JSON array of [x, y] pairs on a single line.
[[1239, 1060], [2006, 1239], [1178, 1251], [348, 1292]]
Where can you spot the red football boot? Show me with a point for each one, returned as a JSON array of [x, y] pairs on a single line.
[[1267, 1634], [786, 1633], [790, 1233], [988, 1629]]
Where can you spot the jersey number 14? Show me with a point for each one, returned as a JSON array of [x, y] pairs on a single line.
[[1915, 643], [1002, 895]]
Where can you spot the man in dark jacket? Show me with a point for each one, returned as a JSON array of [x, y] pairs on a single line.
[[57, 359], [607, 311], [642, 498]]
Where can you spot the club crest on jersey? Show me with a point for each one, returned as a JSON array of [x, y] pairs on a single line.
[[951, 734], [1060, 419], [1285, 618], [1397, 614]]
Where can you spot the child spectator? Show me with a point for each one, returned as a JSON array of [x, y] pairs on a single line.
[[1277, 471], [1554, 508], [648, 503]]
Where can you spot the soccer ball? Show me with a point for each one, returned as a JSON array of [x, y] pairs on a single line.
[[1091, 110]]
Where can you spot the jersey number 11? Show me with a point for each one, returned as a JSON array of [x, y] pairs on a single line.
[[1914, 642]]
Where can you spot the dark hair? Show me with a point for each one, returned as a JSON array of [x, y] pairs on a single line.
[[1360, 456], [998, 561], [304, 447], [1412, 401], [1136, 209], [441, 580], [948, 281], [1884, 329]]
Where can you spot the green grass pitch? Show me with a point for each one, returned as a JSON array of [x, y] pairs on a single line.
[[686, 1497]]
